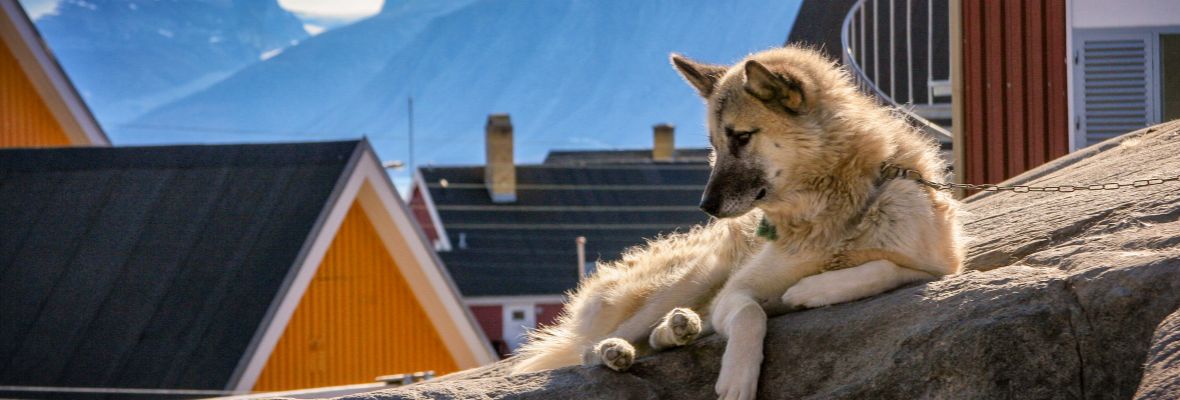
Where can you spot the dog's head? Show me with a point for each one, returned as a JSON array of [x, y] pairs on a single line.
[[764, 124]]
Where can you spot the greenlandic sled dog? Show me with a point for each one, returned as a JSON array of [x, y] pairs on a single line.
[[808, 215]]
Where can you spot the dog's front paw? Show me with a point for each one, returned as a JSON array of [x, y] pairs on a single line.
[[616, 353], [810, 292], [737, 383]]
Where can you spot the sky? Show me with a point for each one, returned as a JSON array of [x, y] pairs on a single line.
[[318, 15], [576, 74]]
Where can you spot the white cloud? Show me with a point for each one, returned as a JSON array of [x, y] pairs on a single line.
[[313, 29], [40, 8], [266, 55], [332, 9]]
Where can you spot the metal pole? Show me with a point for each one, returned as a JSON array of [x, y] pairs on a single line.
[[861, 30], [929, 51], [410, 108], [581, 241], [892, 52], [909, 52], [876, 42]]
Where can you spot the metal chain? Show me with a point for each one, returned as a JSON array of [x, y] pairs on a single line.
[[948, 186]]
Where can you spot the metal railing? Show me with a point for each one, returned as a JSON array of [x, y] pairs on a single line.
[[862, 42]]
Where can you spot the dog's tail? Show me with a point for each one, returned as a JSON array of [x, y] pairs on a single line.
[[548, 348]]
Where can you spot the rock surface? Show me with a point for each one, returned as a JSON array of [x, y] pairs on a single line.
[[1161, 378], [1063, 299]]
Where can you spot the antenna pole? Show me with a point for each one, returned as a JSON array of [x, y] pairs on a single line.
[[410, 107]]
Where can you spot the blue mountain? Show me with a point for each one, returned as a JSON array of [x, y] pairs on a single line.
[[573, 74], [129, 56]]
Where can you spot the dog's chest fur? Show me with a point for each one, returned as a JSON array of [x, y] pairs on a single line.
[[882, 218]]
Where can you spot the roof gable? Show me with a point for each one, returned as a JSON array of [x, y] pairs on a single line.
[[367, 184]]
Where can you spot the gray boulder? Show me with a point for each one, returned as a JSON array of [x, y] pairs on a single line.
[[1063, 299], [1161, 378]]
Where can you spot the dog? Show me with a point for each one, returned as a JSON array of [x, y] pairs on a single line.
[[816, 203]]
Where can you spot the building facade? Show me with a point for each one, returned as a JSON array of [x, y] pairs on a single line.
[[509, 234]]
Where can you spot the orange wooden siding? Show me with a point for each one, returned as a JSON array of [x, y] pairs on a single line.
[[25, 120], [357, 320]]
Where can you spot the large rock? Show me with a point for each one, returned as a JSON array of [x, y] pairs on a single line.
[[1161, 379], [1061, 299]]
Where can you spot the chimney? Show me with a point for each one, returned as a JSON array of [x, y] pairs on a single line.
[[500, 173], [663, 142]]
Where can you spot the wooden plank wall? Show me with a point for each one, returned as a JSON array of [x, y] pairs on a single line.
[[357, 320], [1014, 87], [25, 120]]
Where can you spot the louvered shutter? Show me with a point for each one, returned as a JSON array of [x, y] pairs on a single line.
[[1115, 77]]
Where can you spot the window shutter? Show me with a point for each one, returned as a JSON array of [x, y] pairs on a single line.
[[1115, 75]]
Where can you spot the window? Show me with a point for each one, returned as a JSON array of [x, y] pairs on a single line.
[[1124, 80], [518, 315], [1170, 75]]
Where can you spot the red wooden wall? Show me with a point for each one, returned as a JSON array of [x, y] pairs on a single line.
[[1014, 87], [422, 214]]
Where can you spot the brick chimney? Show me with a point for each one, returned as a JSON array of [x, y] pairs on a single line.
[[500, 173], [663, 142]]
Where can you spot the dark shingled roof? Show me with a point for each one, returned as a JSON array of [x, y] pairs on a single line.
[[149, 267], [586, 157], [527, 247]]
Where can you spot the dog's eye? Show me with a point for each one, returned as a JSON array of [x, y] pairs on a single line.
[[740, 137]]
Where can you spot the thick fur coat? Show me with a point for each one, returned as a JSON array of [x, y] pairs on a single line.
[[796, 148]]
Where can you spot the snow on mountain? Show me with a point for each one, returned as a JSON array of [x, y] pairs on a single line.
[[129, 56], [573, 74]]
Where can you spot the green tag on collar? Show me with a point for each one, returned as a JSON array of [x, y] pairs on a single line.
[[766, 230]]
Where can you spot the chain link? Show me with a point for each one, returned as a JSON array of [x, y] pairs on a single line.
[[907, 173]]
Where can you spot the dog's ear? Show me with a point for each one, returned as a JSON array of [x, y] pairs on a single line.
[[777, 92], [703, 77]]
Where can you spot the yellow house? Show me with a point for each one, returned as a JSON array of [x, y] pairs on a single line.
[[405, 314], [198, 271], [38, 105]]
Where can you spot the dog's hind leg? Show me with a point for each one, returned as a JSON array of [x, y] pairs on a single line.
[[839, 286], [678, 328], [618, 351]]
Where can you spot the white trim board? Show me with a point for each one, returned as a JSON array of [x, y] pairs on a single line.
[[501, 300], [368, 185], [49, 80], [444, 241]]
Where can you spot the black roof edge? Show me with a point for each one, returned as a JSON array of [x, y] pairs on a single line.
[[158, 156], [361, 146]]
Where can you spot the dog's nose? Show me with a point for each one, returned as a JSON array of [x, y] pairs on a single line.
[[711, 205]]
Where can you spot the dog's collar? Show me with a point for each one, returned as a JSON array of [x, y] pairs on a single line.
[[889, 171], [766, 230]]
